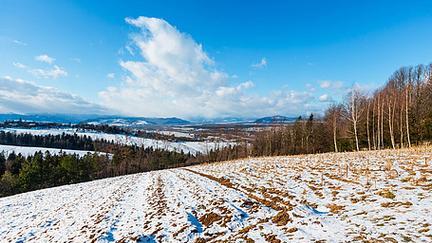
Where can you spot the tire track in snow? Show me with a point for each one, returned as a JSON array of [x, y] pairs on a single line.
[[125, 221], [93, 227]]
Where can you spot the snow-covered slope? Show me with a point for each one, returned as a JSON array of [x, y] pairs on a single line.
[[368, 196], [26, 151], [192, 147]]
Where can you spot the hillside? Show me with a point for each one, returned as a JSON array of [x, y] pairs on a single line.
[[379, 196], [192, 147]]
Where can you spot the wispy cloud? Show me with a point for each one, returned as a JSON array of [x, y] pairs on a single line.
[[325, 98], [111, 75], [19, 65], [328, 84], [261, 64], [76, 59], [45, 58], [21, 96], [18, 42], [51, 73]]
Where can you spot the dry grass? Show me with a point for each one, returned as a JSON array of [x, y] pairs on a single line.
[[209, 218], [282, 218]]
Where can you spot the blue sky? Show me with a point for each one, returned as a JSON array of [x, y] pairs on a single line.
[[273, 57]]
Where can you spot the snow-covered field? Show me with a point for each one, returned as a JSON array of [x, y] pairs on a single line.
[[176, 134], [26, 151], [383, 196], [192, 147]]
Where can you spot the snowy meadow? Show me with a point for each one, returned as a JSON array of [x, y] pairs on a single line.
[[379, 196]]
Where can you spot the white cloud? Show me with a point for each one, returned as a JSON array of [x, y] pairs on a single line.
[[261, 64], [111, 75], [76, 59], [45, 58], [20, 96], [171, 75], [225, 91], [325, 98], [19, 65], [18, 42], [310, 87], [52, 73], [327, 84]]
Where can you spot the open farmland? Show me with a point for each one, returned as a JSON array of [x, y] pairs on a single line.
[[363, 196]]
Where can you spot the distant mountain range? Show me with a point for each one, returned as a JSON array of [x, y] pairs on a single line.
[[57, 118], [95, 119], [226, 120], [275, 120], [138, 121]]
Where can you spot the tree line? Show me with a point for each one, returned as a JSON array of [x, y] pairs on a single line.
[[42, 170], [61, 141], [397, 115]]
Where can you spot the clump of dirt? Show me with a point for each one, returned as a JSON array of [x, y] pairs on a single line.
[[421, 180], [282, 218], [386, 193], [209, 218], [200, 240], [247, 204], [226, 182], [272, 239], [292, 230], [406, 204], [249, 240], [246, 229], [334, 208], [222, 180]]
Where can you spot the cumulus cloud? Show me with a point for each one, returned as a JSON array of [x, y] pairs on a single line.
[[45, 58], [171, 75], [225, 91], [261, 64], [20, 96]]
